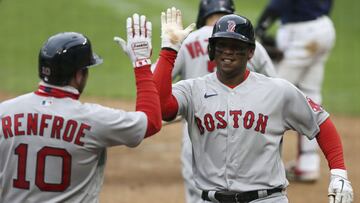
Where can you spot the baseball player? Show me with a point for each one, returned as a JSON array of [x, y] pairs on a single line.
[[306, 37], [52, 146], [236, 118], [193, 53]]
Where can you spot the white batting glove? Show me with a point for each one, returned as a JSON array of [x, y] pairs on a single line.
[[138, 46], [172, 32], [340, 190]]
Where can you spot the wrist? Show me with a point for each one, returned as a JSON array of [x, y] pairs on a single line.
[[339, 172], [141, 62]]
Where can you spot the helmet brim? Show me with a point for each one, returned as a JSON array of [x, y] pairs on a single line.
[[97, 60]]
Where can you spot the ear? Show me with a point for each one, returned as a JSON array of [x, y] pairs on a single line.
[[79, 76], [251, 53]]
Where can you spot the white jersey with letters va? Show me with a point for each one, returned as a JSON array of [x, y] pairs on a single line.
[[193, 61], [236, 133], [54, 149]]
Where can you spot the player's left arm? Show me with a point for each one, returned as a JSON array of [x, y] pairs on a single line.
[[340, 189]]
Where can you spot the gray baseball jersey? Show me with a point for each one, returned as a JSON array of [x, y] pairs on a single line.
[[54, 149], [193, 61], [236, 133]]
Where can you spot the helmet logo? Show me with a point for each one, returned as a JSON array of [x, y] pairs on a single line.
[[231, 26]]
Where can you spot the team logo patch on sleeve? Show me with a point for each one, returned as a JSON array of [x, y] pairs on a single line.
[[315, 107]]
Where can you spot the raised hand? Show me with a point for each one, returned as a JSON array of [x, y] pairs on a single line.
[[172, 31], [138, 46]]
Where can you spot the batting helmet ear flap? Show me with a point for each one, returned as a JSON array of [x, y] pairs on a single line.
[[211, 51]]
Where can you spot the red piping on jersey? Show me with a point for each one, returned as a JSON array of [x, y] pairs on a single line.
[[147, 99], [54, 92], [162, 78], [330, 143], [246, 75]]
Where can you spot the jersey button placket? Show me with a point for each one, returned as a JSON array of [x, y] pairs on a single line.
[[231, 103]]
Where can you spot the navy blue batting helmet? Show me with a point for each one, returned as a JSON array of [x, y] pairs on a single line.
[[62, 55], [233, 27], [208, 7]]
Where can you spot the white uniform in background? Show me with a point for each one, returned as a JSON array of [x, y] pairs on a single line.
[[306, 46], [193, 61]]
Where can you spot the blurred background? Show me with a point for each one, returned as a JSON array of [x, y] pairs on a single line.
[[25, 25]]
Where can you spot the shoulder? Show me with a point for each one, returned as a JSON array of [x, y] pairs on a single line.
[[275, 82], [202, 33], [15, 100]]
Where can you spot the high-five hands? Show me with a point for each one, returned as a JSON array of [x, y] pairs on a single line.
[[172, 31], [340, 190], [138, 46]]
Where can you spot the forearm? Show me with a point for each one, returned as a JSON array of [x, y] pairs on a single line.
[[330, 143], [147, 99], [162, 78]]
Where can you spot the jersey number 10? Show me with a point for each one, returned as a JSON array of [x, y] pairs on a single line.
[[22, 183]]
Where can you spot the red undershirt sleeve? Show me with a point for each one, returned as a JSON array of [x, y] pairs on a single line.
[[330, 143], [163, 80], [147, 99]]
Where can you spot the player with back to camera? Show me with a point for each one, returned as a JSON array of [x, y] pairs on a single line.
[[52, 146], [237, 118], [306, 37], [193, 61]]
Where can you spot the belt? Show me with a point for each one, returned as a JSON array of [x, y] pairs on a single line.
[[237, 197]]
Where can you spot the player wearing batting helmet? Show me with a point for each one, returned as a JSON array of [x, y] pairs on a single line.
[[194, 53], [52, 146], [237, 118]]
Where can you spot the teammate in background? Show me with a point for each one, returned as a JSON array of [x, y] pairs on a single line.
[[237, 118], [52, 146], [306, 37], [193, 61]]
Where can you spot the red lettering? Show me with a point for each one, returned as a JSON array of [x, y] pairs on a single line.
[[198, 49], [32, 124], [219, 115], [81, 134], [209, 122], [249, 119], [190, 49], [70, 129], [261, 123], [17, 124], [236, 114], [43, 123], [6, 126], [56, 128], [199, 125]]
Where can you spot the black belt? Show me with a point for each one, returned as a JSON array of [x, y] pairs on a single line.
[[239, 197]]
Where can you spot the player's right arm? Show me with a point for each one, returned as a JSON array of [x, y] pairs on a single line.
[[172, 34], [139, 48]]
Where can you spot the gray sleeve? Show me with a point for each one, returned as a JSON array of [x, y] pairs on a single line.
[[182, 92], [301, 113], [111, 127]]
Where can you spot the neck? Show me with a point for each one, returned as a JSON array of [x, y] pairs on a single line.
[[234, 79]]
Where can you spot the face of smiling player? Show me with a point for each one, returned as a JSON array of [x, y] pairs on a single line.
[[231, 57]]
